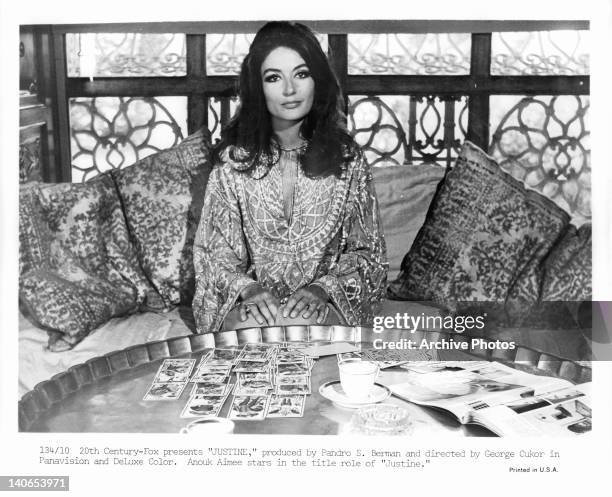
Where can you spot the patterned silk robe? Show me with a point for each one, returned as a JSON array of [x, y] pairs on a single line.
[[333, 239]]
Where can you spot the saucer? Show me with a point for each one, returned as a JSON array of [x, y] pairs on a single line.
[[332, 390]]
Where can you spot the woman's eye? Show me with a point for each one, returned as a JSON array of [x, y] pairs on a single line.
[[271, 78], [303, 74]]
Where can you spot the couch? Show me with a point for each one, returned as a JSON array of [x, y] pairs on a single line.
[[107, 264]]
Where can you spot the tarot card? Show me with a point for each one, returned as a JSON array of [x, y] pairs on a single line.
[[254, 355], [251, 367], [229, 354], [291, 356], [203, 406], [211, 391], [177, 364], [211, 387], [290, 389], [174, 370], [249, 407], [286, 406], [292, 369], [348, 355], [164, 391], [213, 363], [257, 352], [209, 378], [262, 348], [253, 386], [254, 377], [295, 379], [204, 369]]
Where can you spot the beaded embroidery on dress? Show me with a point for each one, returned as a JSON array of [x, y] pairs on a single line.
[[334, 238]]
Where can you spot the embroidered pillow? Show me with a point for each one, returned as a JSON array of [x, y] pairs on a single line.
[[162, 197], [88, 252], [569, 267], [34, 233], [70, 306], [484, 239]]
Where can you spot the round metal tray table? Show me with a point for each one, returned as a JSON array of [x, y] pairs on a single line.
[[105, 394]]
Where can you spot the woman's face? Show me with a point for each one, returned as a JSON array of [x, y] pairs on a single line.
[[288, 87]]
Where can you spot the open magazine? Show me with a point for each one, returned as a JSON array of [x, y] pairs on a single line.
[[504, 400]]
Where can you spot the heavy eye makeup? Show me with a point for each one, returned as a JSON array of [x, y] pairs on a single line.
[[273, 77]]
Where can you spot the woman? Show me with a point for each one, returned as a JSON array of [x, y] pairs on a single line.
[[289, 227]]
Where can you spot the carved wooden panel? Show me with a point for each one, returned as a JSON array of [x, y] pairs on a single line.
[[30, 168]]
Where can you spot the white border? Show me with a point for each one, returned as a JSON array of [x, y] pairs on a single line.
[[582, 464]]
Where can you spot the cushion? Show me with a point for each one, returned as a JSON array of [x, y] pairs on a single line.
[[34, 234], [37, 364], [88, 270], [70, 310], [484, 239], [162, 197], [404, 194], [89, 231], [569, 267]]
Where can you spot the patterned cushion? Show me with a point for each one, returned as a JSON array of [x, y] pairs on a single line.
[[71, 309], [569, 267], [34, 234], [89, 231], [162, 197], [88, 251], [484, 239]]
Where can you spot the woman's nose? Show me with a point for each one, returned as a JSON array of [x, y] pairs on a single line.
[[289, 87]]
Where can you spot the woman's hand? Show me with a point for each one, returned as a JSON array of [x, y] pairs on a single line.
[[306, 301], [260, 303]]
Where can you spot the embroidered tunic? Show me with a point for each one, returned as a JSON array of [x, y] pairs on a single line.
[[287, 231]]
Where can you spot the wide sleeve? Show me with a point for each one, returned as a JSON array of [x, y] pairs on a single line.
[[356, 281], [220, 254]]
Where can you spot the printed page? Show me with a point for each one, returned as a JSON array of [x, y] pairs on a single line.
[[478, 386], [565, 412]]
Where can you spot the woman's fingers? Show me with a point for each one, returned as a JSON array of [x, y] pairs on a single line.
[[261, 304], [299, 306], [255, 311], [264, 307], [322, 314], [311, 308], [272, 304], [265, 311], [267, 307], [303, 302], [243, 311], [288, 307]]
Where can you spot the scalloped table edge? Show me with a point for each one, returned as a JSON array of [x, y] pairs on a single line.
[[49, 392]]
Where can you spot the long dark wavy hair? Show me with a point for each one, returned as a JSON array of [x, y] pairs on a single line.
[[329, 144]]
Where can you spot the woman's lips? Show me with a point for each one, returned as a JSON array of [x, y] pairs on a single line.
[[291, 105]]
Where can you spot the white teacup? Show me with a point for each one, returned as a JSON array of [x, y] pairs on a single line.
[[212, 426], [357, 377]]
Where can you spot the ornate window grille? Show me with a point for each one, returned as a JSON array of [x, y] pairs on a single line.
[[397, 130], [114, 132], [415, 90], [543, 141]]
